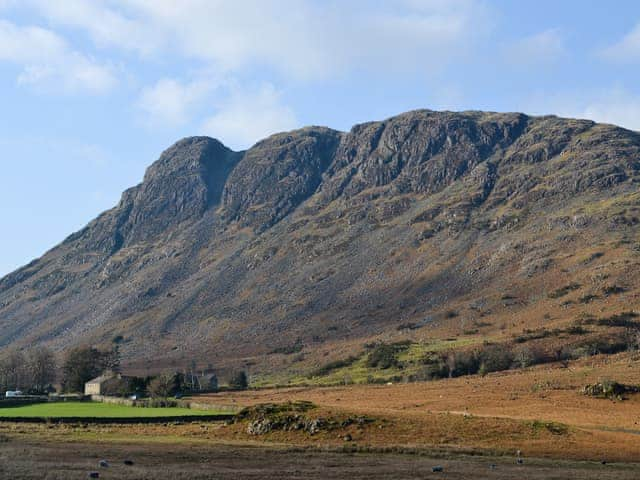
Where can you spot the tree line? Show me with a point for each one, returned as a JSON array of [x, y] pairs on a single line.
[[32, 372], [36, 371]]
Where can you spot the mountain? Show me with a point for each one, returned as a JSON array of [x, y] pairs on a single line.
[[422, 225]]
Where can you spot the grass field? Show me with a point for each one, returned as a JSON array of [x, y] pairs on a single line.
[[97, 410]]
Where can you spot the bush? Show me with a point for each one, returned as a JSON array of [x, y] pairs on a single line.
[[157, 403], [525, 356], [494, 358], [383, 355], [605, 344], [408, 326], [561, 292], [162, 386], [335, 365], [612, 290], [588, 298], [239, 381], [435, 368], [576, 330], [462, 363], [609, 389], [624, 319], [288, 350], [528, 335]]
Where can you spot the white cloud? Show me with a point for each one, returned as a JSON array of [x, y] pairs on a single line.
[[46, 60], [169, 102], [543, 48], [627, 50], [246, 117], [106, 26], [297, 37]]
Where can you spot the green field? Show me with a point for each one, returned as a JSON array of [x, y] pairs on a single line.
[[96, 410]]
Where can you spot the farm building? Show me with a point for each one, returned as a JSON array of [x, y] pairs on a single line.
[[107, 384]]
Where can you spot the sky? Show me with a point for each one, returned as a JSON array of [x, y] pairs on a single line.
[[92, 91]]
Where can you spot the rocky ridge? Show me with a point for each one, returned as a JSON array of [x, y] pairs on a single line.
[[316, 236]]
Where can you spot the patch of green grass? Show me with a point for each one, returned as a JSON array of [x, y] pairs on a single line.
[[409, 358], [96, 410], [552, 427]]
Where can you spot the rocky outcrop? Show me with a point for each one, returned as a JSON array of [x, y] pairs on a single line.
[[418, 152], [277, 175], [187, 180]]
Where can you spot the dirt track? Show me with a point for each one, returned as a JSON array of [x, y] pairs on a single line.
[[26, 460]]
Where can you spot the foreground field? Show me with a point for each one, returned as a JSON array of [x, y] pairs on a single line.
[[95, 410], [27, 460], [398, 431]]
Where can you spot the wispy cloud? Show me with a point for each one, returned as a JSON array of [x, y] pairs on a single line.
[[542, 48], [47, 61], [170, 102], [298, 37], [616, 105], [626, 50], [248, 116], [295, 41]]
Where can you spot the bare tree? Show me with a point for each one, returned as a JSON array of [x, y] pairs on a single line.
[[162, 386], [41, 367], [13, 371]]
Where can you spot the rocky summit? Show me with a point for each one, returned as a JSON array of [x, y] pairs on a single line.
[[315, 241]]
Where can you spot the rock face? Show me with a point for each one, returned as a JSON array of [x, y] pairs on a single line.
[[278, 174], [315, 237]]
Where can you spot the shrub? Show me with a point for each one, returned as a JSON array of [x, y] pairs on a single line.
[[289, 349], [624, 319], [239, 381], [588, 298], [494, 358], [408, 326], [162, 386], [606, 344], [435, 367], [383, 356], [523, 357], [609, 389], [335, 365], [612, 290], [528, 335], [561, 292], [576, 330], [462, 363], [158, 403]]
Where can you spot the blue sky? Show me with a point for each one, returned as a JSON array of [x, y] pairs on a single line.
[[92, 91]]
